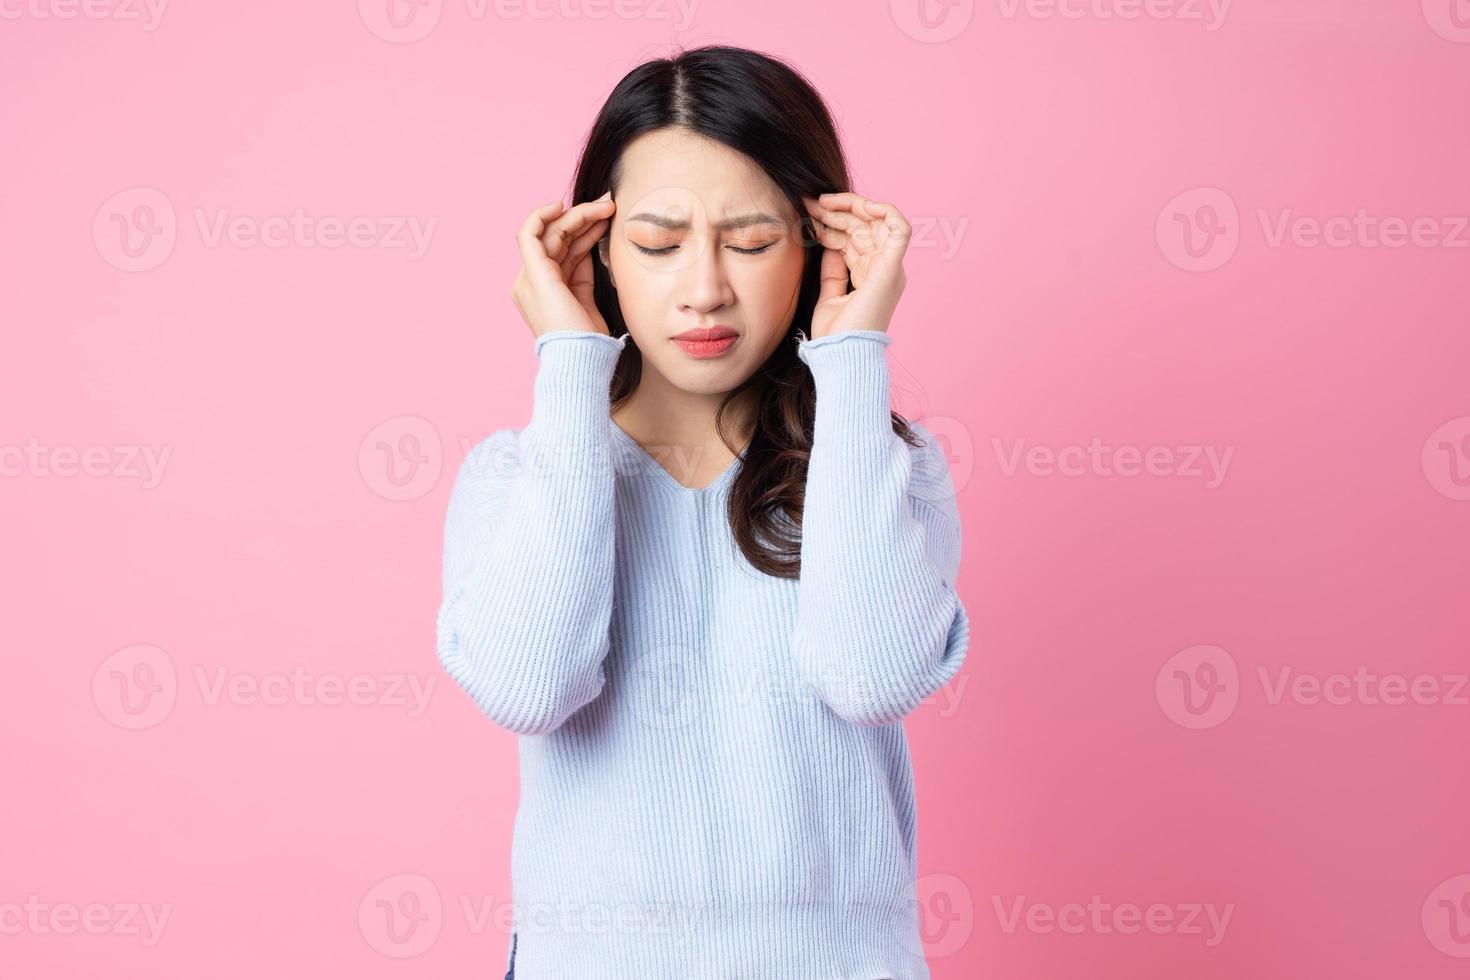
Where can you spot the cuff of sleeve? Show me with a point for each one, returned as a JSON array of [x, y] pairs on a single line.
[[573, 381], [596, 339], [882, 337], [850, 372]]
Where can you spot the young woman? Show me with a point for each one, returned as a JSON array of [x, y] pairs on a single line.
[[713, 573]]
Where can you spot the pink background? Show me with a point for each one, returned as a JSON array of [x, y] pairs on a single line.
[[1052, 299]]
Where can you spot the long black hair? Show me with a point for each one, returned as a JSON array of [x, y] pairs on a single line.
[[766, 110]]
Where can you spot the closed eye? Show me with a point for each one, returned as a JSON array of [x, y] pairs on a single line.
[[669, 248]]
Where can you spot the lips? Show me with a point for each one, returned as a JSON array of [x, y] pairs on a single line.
[[703, 342], [705, 333]]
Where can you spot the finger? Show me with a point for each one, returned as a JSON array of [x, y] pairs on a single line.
[[528, 237], [862, 207], [883, 226], [836, 218], [828, 236], [571, 225], [857, 235], [838, 199], [535, 222], [889, 228], [892, 219], [834, 276], [843, 201], [587, 240], [583, 244], [860, 230]]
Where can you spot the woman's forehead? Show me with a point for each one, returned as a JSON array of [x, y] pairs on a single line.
[[697, 178]]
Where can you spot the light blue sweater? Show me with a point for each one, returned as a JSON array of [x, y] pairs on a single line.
[[713, 779]]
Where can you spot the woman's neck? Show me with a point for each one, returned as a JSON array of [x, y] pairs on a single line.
[[678, 427]]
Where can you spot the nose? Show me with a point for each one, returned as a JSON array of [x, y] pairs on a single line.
[[705, 282]]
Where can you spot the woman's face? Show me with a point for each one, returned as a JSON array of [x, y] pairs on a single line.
[[702, 238]]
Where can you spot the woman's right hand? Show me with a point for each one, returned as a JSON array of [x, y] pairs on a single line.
[[553, 290]]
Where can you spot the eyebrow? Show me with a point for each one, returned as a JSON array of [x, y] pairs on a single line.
[[738, 221]]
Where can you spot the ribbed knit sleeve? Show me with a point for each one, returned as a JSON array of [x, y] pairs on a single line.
[[529, 547], [879, 625]]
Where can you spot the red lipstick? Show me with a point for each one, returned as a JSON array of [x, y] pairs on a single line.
[[702, 342]]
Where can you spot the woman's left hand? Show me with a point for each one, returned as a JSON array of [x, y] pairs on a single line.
[[867, 240]]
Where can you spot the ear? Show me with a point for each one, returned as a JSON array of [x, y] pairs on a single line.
[[602, 250]]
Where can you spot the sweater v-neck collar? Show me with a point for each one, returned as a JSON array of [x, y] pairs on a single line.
[[645, 460]]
